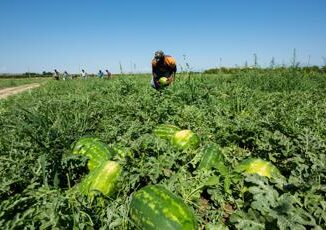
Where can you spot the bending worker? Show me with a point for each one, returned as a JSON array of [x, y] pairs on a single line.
[[163, 69]]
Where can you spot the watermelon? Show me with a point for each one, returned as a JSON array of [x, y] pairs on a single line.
[[163, 81], [258, 166], [166, 131], [212, 155], [185, 139], [155, 207], [213, 158], [103, 179], [96, 151]]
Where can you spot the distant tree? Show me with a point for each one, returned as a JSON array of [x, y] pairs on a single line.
[[30, 74], [47, 74]]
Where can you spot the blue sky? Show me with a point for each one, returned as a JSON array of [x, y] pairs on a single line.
[[39, 35]]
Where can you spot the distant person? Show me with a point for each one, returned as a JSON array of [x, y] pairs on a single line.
[[108, 74], [65, 75], [56, 75], [164, 69], [84, 74], [100, 74]]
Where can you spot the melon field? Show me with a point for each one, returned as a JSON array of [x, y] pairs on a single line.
[[107, 154]]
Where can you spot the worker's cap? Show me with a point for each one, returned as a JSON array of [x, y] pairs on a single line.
[[159, 55]]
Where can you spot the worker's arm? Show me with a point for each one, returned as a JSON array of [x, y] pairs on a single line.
[[155, 74], [172, 74]]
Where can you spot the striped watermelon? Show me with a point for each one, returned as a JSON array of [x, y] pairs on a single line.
[[166, 131], [185, 139], [213, 158], [96, 151], [103, 179], [155, 207], [258, 166]]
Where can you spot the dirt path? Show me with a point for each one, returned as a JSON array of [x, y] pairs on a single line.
[[14, 90]]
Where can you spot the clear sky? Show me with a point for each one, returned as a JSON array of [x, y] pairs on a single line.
[[37, 35]]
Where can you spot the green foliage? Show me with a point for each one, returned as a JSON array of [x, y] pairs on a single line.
[[266, 208], [274, 70], [279, 117]]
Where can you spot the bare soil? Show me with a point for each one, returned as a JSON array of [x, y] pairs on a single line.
[[14, 90]]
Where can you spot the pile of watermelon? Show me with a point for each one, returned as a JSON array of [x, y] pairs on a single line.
[[154, 206]]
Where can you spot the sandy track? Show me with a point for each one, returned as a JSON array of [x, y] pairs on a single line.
[[14, 90]]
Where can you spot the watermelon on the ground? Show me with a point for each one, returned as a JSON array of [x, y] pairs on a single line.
[[166, 131], [155, 207], [213, 158], [103, 179], [258, 166], [96, 151], [185, 139]]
